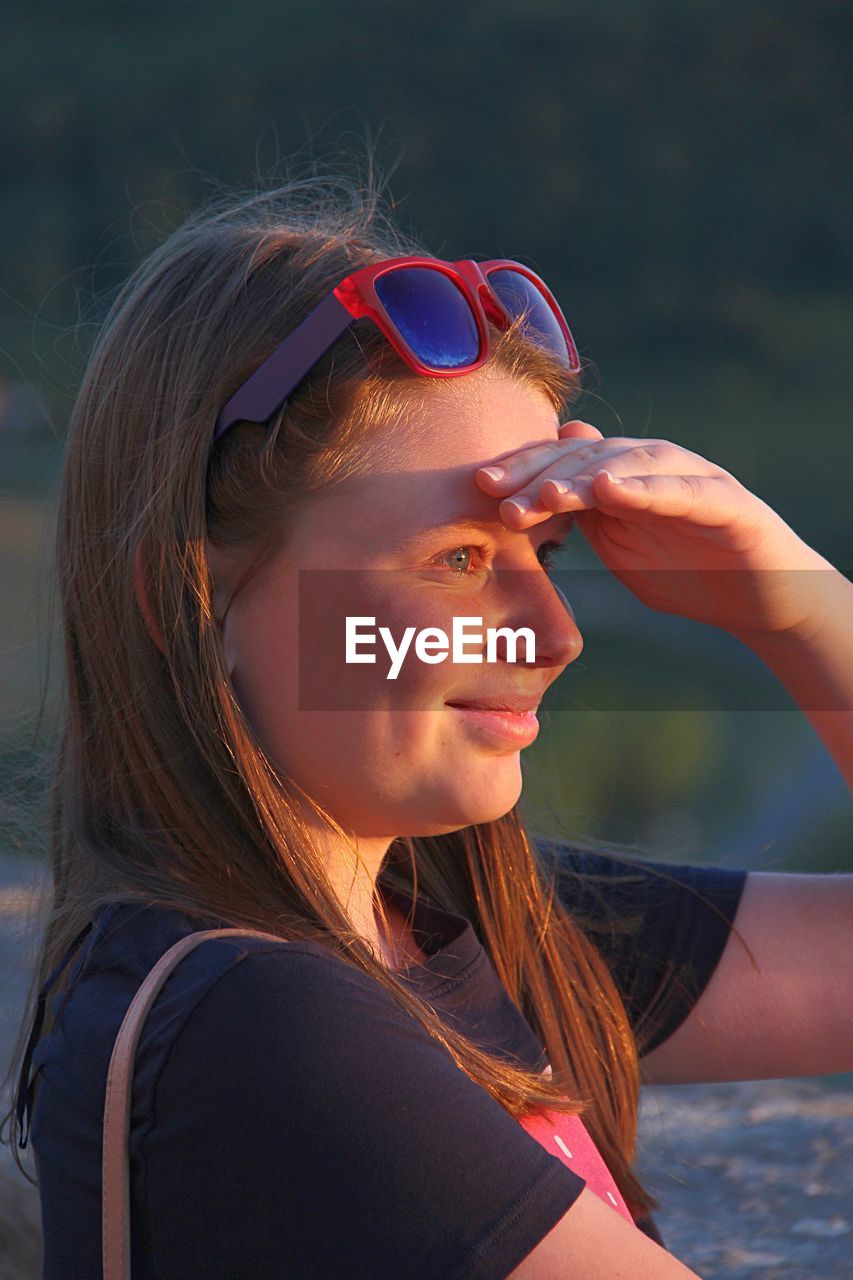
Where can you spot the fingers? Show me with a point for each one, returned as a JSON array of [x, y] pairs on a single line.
[[564, 457], [541, 480], [557, 475], [711, 501], [507, 473]]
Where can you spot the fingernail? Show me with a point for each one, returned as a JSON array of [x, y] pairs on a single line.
[[612, 479], [522, 504], [494, 473], [561, 485]]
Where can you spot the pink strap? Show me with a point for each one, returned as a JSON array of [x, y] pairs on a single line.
[[116, 1173]]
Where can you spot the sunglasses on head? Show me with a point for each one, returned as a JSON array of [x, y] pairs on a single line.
[[435, 314]]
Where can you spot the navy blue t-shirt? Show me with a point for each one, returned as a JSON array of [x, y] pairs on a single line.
[[290, 1119]]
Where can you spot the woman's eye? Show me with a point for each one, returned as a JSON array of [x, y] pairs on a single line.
[[459, 559], [547, 552]]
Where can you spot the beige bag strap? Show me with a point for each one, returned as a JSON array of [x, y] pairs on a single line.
[[116, 1171]]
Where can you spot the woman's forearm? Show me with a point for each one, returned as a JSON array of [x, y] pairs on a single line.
[[815, 664]]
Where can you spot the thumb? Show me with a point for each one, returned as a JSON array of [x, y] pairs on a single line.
[[577, 430]]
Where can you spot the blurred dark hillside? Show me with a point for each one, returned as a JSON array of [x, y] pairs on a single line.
[[681, 171]]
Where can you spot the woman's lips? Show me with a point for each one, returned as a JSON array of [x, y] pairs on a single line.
[[499, 723]]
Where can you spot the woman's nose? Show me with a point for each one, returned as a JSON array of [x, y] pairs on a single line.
[[538, 604]]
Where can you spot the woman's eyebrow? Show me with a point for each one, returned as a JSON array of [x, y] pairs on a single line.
[[495, 527]]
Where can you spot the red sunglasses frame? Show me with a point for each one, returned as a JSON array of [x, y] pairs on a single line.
[[355, 298]]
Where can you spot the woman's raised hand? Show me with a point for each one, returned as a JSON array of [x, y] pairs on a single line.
[[679, 531]]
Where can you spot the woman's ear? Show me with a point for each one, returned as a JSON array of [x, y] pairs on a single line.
[[221, 572], [142, 599], [218, 569]]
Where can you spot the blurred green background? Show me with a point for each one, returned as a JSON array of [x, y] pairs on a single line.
[[680, 173]]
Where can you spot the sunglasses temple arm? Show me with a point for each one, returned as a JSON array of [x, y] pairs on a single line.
[[263, 394]]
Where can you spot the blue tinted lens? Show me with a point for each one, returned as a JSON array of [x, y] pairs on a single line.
[[518, 294], [432, 314]]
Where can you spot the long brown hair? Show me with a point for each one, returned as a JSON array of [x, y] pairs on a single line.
[[161, 791]]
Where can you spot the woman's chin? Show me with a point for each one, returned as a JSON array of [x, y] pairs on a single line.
[[486, 794]]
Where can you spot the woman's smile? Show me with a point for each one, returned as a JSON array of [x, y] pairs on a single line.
[[516, 728]]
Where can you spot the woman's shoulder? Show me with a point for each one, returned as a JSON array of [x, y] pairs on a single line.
[[255, 993], [127, 940], [132, 938]]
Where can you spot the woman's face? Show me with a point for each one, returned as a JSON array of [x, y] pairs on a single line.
[[390, 757]]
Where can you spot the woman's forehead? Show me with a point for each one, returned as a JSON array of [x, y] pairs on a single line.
[[463, 422], [418, 474]]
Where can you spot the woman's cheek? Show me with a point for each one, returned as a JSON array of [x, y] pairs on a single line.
[[358, 643]]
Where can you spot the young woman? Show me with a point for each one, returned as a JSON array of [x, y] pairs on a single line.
[[435, 1071]]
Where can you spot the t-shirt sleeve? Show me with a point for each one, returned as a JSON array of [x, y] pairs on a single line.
[[662, 927], [307, 1125]]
